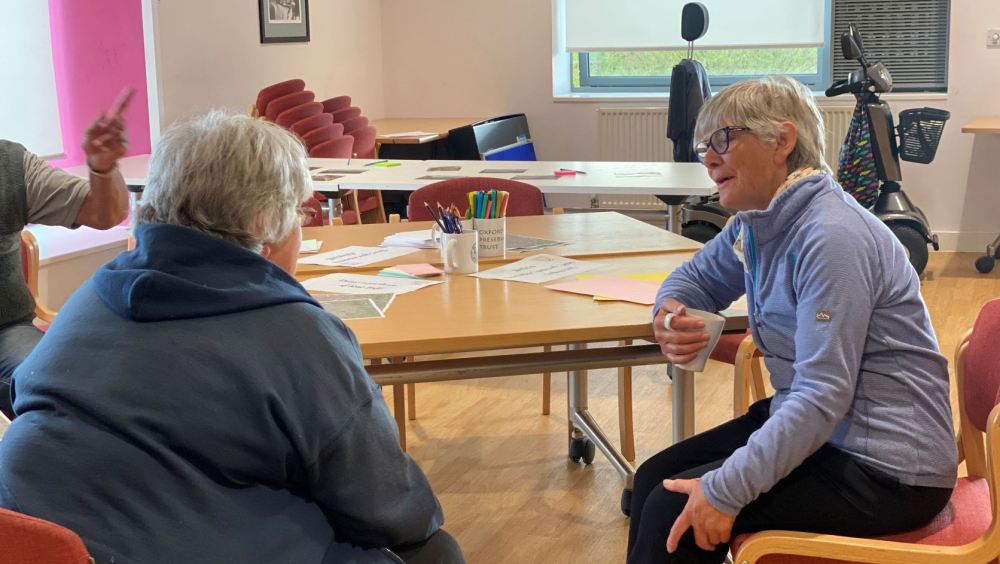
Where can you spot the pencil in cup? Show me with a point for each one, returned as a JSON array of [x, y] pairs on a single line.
[[487, 204]]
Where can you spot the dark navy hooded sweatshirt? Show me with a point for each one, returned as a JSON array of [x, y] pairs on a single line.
[[191, 403]]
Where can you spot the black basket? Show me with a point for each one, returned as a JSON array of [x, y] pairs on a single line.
[[920, 133]]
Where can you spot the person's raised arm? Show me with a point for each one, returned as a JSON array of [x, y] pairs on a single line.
[[104, 142]]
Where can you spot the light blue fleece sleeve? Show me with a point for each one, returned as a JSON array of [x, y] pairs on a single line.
[[836, 272], [712, 280]]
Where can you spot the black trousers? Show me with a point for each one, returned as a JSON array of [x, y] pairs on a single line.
[[831, 492], [440, 548]]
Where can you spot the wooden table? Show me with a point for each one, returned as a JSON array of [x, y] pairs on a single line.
[[465, 314], [983, 124], [591, 235], [437, 127]]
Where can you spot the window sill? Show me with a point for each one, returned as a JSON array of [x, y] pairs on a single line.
[[821, 100]]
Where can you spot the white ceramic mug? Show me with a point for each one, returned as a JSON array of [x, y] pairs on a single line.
[[492, 236], [460, 252], [436, 233], [713, 326]]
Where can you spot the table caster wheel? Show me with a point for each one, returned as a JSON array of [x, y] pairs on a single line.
[[582, 449], [627, 502], [985, 264]]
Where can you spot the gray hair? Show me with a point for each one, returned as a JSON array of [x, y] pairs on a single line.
[[229, 176], [762, 104]]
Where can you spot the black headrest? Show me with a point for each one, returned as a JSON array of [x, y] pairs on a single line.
[[694, 21]]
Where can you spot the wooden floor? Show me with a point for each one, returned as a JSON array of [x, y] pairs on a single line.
[[501, 471]]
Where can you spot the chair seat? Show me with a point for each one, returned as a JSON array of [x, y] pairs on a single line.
[[729, 344], [368, 204], [963, 520], [349, 217]]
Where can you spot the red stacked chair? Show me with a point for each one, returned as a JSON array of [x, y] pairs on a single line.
[[338, 103], [276, 91], [354, 124], [27, 540], [364, 142], [297, 113], [337, 148], [322, 135], [278, 105], [346, 114], [310, 123]]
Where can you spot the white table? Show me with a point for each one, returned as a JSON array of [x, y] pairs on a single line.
[[638, 178], [674, 179]]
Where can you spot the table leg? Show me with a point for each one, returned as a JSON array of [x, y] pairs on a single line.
[[586, 429], [399, 412], [683, 402]]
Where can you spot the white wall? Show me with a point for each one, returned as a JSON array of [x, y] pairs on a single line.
[[456, 58], [210, 55]]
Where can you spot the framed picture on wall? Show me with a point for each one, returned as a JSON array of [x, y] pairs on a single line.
[[284, 21]]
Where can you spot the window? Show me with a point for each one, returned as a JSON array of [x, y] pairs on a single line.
[[909, 36]]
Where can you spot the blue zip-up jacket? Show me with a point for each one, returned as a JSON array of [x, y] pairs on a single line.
[[835, 308], [192, 403]]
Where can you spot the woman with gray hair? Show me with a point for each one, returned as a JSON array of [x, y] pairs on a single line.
[[192, 403], [857, 439]]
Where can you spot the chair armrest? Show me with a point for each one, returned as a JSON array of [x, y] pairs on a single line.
[[851, 549], [44, 313]]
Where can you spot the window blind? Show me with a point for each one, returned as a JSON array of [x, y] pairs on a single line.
[[909, 36], [655, 25], [29, 111]]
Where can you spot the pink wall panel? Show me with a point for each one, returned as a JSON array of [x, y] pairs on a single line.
[[97, 47]]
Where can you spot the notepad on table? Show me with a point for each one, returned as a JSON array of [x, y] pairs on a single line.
[[416, 271], [657, 277], [309, 246]]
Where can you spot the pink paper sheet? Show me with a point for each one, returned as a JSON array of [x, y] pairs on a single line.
[[418, 269], [617, 287]]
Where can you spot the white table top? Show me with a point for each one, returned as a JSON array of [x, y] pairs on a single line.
[[669, 179]]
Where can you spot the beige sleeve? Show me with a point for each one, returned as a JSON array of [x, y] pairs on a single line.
[[53, 196]]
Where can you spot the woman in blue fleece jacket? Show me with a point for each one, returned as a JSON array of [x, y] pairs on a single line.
[[857, 439]]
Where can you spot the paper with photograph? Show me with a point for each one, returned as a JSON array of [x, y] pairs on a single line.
[[382, 301], [353, 309]]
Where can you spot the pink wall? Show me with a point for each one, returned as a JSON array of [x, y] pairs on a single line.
[[98, 49]]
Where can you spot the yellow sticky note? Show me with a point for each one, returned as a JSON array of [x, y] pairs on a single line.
[[657, 277]]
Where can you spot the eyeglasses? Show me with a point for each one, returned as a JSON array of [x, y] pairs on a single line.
[[718, 141], [306, 215]]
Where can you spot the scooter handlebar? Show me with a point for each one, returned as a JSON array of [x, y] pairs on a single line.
[[843, 87]]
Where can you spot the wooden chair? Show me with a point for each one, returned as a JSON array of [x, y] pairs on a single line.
[[325, 133], [29, 267], [966, 532], [278, 105], [739, 350], [304, 126], [340, 116], [350, 125], [297, 113]]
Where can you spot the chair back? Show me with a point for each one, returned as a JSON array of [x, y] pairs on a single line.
[[310, 123], [29, 261], [364, 142], [339, 148], [300, 112], [346, 114], [339, 103], [980, 366], [287, 102], [525, 199], [322, 135], [354, 124], [278, 90], [27, 540]]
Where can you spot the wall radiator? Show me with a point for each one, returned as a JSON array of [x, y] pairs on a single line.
[[640, 134]]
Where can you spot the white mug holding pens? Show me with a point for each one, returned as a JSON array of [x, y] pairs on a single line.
[[459, 248]]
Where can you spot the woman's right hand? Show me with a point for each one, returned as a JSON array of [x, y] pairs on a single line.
[[681, 341]]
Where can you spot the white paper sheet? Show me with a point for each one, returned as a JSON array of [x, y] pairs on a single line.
[[357, 256], [364, 284], [310, 246], [539, 269], [409, 134]]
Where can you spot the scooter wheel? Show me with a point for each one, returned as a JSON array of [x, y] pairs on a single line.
[[915, 245], [985, 264]]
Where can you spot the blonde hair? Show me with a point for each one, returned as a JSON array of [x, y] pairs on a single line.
[[762, 104]]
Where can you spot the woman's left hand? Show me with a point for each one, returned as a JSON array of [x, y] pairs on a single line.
[[711, 526]]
